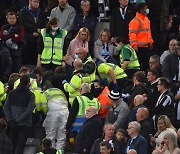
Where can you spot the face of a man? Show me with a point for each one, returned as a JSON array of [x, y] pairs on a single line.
[[153, 64], [160, 86], [130, 129], [150, 77], [11, 19], [172, 45], [123, 3], [109, 131], [89, 113], [62, 2], [34, 4], [85, 6], [104, 150]]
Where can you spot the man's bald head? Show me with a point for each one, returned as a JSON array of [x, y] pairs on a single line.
[[78, 64], [81, 53], [132, 151], [138, 99], [142, 114], [85, 88]]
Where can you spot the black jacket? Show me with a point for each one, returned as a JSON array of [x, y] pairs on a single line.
[[170, 66], [19, 106], [119, 27], [5, 63], [26, 19], [117, 149], [89, 132]]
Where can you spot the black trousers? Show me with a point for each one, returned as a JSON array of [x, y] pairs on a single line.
[[143, 57], [19, 135]]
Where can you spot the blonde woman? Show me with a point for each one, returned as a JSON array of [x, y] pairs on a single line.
[[168, 145], [164, 125], [81, 40], [104, 49]]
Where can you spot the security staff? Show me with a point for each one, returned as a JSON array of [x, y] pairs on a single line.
[[128, 57], [57, 115], [89, 65], [79, 77], [80, 104], [140, 35], [115, 74], [2, 96], [51, 42]]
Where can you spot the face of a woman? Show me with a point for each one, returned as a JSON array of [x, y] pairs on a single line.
[[104, 37], [83, 36], [166, 140], [161, 125]]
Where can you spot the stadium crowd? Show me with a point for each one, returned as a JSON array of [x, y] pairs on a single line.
[[71, 92]]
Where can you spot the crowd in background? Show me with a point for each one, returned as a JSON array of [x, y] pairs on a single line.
[[115, 93]]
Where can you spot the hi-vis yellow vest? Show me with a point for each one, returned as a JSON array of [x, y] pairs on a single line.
[[134, 63], [2, 93], [103, 70], [53, 48]]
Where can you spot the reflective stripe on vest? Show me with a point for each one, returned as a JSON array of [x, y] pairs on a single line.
[[92, 75], [133, 62], [141, 29], [52, 51], [54, 93], [84, 103]]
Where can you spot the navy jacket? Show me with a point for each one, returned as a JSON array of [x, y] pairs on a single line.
[[139, 144]]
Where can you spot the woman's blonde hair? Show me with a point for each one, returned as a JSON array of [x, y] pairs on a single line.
[[107, 31], [166, 121], [172, 138], [83, 29]]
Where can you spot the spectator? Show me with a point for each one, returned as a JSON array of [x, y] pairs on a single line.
[[140, 87], [85, 19], [172, 49], [89, 132], [165, 104], [89, 65], [32, 18], [104, 50], [142, 117], [152, 78], [51, 42], [18, 112], [128, 58], [171, 67], [5, 142], [140, 34], [57, 115], [79, 77], [118, 111], [154, 63], [81, 40], [13, 36], [116, 146], [168, 145], [101, 91], [136, 141], [65, 14], [115, 75], [138, 103], [105, 147], [120, 18], [5, 63], [121, 135], [163, 125]]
